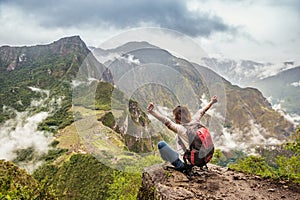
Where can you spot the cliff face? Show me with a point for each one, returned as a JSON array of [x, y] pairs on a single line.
[[247, 118], [12, 58], [163, 182]]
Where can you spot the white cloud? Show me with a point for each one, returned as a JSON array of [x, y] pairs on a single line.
[[296, 84], [76, 83], [106, 58], [22, 131], [39, 102], [19, 28], [245, 140], [291, 117], [272, 69], [130, 59], [265, 31]]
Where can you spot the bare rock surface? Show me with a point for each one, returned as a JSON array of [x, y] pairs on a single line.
[[163, 182]]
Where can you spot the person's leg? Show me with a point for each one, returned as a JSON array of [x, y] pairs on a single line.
[[169, 154]]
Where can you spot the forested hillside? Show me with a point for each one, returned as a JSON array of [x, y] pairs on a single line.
[[70, 121]]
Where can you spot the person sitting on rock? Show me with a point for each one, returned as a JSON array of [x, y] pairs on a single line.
[[182, 118]]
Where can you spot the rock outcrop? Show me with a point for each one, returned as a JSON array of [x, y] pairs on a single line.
[[163, 182]]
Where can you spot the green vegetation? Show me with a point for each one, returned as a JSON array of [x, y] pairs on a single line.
[[84, 177], [61, 118], [44, 69], [109, 120], [124, 186], [220, 159], [15, 183], [69, 176], [53, 154], [254, 165], [289, 167], [24, 154], [103, 96], [78, 176], [285, 166]]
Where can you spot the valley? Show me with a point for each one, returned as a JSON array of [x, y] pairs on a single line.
[[89, 124]]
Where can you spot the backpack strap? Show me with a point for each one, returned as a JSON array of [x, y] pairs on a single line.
[[186, 156], [181, 143]]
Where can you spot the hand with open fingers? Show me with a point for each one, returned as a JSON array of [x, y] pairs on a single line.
[[150, 106], [214, 99]]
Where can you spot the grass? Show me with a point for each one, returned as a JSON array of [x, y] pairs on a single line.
[[68, 137]]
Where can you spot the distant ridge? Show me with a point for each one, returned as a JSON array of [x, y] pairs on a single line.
[[15, 57]]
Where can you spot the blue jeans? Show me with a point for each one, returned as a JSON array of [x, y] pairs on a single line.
[[167, 153]]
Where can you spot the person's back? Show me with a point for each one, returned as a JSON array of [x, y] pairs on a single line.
[[182, 118], [201, 147]]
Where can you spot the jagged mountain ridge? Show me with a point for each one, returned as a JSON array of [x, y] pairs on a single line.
[[245, 72], [248, 114], [274, 80], [59, 81], [34, 56], [251, 107], [14, 57], [238, 72], [283, 88], [49, 67]]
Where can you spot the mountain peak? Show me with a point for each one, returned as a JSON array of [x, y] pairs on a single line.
[[71, 39], [67, 44], [133, 45], [15, 57]]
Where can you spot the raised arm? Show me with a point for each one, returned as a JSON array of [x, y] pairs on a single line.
[[213, 100], [166, 121]]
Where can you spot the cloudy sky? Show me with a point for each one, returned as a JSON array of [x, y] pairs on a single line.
[[261, 30]]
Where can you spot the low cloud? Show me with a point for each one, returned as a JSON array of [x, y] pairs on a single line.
[[245, 140], [106, 58], [261, 70], [296, 84], [130, 59], [291, 117], [22, 132]]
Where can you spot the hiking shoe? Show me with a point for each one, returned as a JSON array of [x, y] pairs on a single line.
[[178, 164], [186, 168], [204, 168]]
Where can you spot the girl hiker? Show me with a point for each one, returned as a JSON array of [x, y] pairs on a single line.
[[192, 136]]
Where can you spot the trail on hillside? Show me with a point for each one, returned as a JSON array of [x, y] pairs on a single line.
[[216, 183]]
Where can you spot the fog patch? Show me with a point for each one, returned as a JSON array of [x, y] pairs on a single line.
[[21, 132], [130, 59], [106, 57], [245, 140], [296, 84], [89, 81], [291, 117]]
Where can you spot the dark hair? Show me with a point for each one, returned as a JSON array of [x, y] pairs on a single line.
[[182, 114]]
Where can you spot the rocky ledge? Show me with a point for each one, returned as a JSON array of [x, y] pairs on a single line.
[[163, 182]]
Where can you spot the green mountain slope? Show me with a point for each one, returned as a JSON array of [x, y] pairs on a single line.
[[110, 124], [49, 67], [169, 81], [16, 183]]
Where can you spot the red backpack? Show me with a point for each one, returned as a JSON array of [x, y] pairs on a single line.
[[201, 145]]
